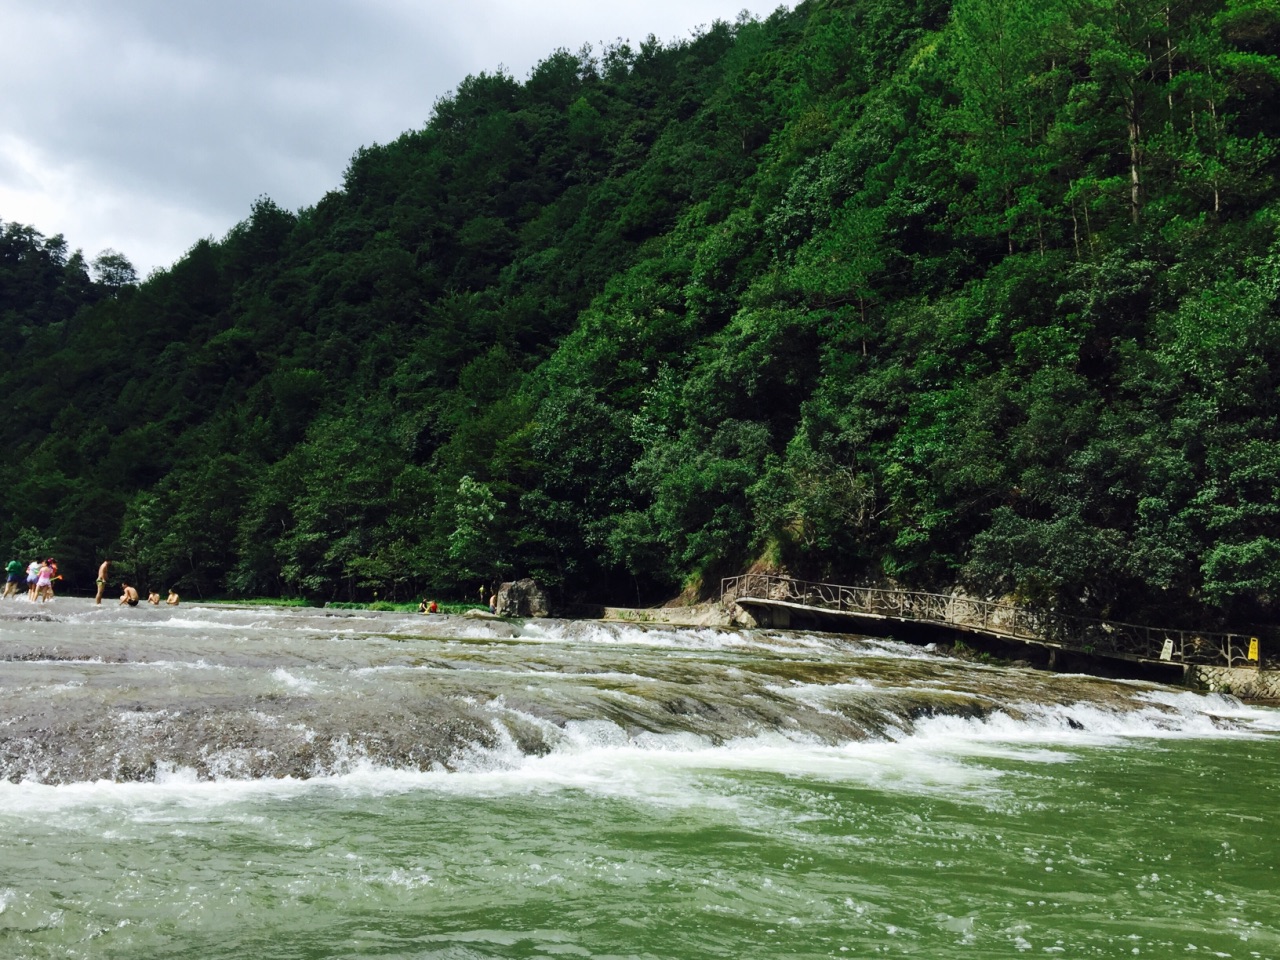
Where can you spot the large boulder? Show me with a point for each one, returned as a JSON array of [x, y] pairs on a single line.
[[523, 598]]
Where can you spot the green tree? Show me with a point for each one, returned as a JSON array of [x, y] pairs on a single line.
[[475, 543], [114, 271]]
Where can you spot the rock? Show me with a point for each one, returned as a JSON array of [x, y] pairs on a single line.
[[698, 615], [523, 598]]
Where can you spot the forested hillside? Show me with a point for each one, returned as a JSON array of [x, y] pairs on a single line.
[[982, 293]]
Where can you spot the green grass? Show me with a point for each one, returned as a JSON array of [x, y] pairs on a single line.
[[411, 606], [446, 606], [258, 602]]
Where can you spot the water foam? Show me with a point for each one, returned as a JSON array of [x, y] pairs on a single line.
[[1082, 724], [634, 635], [294, 683], [941, 756], [524, 751]]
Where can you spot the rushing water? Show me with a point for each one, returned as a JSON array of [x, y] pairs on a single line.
[[266, 783]]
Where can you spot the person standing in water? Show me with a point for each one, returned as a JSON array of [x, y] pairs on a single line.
[[13, 569], [54, 576], [102, 580], [44, 582], [173, 597]]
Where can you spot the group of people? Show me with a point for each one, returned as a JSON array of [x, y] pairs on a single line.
[[41, 576], [128, 592], [130, 596]]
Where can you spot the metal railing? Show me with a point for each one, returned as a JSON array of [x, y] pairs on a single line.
[[1102, 637]]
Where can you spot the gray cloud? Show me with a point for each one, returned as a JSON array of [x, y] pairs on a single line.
[[144, 125]]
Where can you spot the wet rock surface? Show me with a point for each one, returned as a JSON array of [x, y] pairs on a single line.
[[94, 693]]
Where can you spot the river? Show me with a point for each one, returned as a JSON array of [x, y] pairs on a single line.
[[260, 782]]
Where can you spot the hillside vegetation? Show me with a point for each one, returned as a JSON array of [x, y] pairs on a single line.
[[981, 293]]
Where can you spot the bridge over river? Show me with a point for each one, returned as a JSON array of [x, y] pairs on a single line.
[[782, 602]]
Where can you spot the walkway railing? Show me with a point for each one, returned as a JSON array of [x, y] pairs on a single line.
[[1101, 637]]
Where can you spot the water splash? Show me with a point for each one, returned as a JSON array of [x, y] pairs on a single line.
[[223, 694]]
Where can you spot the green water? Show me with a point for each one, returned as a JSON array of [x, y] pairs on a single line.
[[1151, 832], [1154, 849]]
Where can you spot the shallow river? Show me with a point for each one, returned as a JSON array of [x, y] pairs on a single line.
[[220, 782]]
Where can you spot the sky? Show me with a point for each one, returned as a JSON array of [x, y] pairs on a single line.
[[143, 126]]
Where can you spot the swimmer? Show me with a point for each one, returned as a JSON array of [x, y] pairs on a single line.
[[173, 597], [130, 595]]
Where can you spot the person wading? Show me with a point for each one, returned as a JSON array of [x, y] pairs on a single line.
[[102, 580]]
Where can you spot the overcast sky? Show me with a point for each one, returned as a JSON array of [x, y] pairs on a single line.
[[145, 125]]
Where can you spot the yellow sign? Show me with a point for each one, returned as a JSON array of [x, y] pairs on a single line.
[[1253, 648]]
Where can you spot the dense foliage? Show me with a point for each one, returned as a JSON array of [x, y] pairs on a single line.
[[980, 293]]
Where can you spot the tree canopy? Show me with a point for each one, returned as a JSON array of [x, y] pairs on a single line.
[[974, 293]]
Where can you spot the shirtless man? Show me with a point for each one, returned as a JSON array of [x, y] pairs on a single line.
[[102, 580], [130, 595], [173, 597], [153, 598]]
